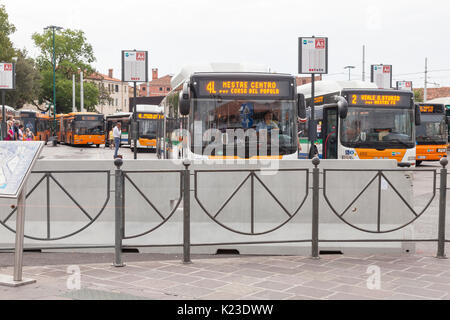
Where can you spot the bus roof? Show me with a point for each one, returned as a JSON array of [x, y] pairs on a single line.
[[119, 114], [325, 87], [149, 108], [443, 100], [188, 70], [82, 113]]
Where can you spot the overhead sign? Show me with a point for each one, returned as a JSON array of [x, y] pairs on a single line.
[[404, 85], [313, 55], [381, 75], [16, 161], [244, 88], [134, 66], [7, 76], [150, 116]]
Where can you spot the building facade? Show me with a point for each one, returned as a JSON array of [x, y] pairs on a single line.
[[115, 93], [156, 87]]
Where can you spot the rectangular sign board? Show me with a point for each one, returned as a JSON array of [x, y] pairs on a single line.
[[381, 75], [17, 159], [7, 76], [404, 85], [384, 99], [431, 108], [134, 66], [313, 55]]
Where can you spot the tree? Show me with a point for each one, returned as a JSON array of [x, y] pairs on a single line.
[[28, 81], [6, 29], [72, 52], [418, 97]]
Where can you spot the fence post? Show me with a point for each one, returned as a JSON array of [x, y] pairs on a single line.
[[315, 210], [186, 213], [442, 203], [118, 191]]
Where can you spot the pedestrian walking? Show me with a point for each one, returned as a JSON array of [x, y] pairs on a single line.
[[117, 132]]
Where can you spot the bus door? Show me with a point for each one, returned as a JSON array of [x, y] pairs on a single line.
[[329, 133]]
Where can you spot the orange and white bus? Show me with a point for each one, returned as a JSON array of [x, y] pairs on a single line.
[[37, 122], [431, 134], [149, 119], [378, 123], [83, 128]]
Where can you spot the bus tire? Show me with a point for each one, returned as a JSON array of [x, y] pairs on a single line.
[[98, 146], [418, 163]]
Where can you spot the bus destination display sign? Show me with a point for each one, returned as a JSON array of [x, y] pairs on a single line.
[[243, 88], [369, 99], [431, 108]]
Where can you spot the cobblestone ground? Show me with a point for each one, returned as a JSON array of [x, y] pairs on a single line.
[[244, 278]]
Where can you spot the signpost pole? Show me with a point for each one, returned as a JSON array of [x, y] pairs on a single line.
[[135, 121], [313, 126], [3, 116], [20, 225]]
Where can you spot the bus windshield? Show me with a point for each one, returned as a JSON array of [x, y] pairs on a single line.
[[147, 128], [367, 127], [432, 130], [88, 127], [239, 122], [29, 122]]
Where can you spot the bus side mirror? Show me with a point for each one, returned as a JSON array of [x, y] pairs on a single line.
[[417, 114], [342, 105], [184, 101], [301, 107]]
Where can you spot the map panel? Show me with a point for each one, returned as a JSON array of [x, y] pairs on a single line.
[[16, 159]]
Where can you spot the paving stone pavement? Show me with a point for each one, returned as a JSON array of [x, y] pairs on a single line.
[[405, 277]]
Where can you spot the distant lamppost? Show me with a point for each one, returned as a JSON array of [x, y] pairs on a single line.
[[349, 69], [54, 28]]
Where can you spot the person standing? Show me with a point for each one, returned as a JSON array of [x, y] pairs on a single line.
[[117, 132], [15, 128], [21, 133]]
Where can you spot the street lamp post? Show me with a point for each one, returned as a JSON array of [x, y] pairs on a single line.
[[54, 28], [349, 68]]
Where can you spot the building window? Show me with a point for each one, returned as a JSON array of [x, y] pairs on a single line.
[[143, 88], [160, 89], [117, 88], [168, 89]]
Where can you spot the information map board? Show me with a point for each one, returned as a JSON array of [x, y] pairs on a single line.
[[17, 159]]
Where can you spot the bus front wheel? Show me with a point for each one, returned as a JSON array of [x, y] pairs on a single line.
[[98, 146]]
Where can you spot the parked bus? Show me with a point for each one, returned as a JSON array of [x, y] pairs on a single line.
[[432, 133], [110, 122], [446, 102], [378, 124], [83, 128], [229, 112], [149, 119], [37, 122]]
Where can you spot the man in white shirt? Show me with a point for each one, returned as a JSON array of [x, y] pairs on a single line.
[[117, 132]]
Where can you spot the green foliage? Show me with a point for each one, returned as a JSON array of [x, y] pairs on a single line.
[[64, 94], [28, 81], [418, 97], [6, 29], [72, 52]]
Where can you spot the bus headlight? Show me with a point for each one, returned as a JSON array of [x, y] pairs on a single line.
[[442, 150]]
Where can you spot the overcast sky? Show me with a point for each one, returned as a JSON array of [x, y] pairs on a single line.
[[180, 32]]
